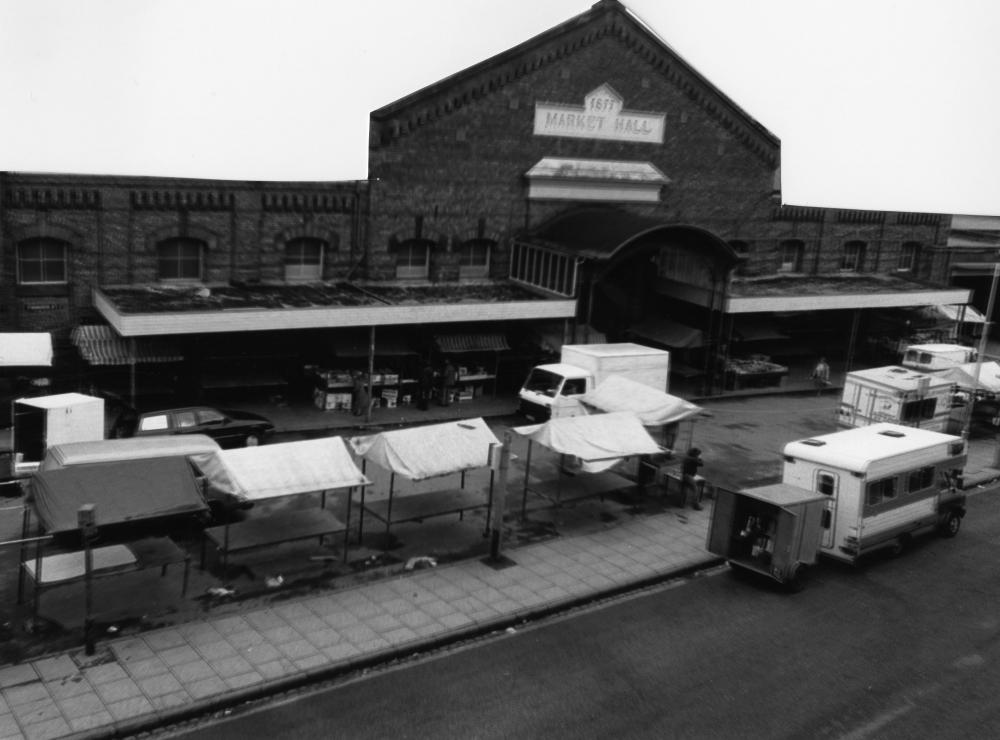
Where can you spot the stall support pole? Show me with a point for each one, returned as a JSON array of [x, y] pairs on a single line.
[[388, 510], [498, 502], [524, 493], [371, 371], [86, 520], [347, 522], [22, 558]]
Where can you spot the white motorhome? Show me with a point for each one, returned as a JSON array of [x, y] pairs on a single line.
[[553, 390], [933, 357], [883, 484], [897, 395]]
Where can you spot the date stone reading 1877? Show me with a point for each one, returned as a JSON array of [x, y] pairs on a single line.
[[600, 117]]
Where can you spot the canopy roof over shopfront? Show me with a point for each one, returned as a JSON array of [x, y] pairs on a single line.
[[26, 349], [284, 469], [653, 407], [668, 333], [101, 345], [419, 453], [121, 492]]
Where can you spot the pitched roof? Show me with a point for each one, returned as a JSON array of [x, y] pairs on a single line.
[[604, 18]]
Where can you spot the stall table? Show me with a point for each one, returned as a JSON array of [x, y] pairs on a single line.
[[274, 529], [69, 567]]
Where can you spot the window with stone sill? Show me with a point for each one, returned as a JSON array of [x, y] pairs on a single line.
[[41, 261], [791, 256], [412, 260], [474, 259], [908, 257], [304, 260], [853, 257], [180, 259]]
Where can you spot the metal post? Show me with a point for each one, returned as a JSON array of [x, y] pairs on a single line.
[[86, 519], [499, 498], [967, 421], [371, 372]]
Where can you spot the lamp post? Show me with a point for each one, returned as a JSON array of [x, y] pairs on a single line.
[[982, 349]]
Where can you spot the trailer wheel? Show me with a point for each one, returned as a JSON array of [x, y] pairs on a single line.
[[252, 440], [951, 524], [796, 580], [897, 547]]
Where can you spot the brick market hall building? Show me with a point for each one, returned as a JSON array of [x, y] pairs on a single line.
[[585, 184]]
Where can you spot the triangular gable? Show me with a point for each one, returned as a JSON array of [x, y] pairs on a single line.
[[552, 47]]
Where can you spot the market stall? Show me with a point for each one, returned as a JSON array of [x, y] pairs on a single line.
[[423, 453], [121, 493], [269, 472], [596, 443], [669, 419], [756, 371]]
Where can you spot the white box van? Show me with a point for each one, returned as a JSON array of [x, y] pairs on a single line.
[[897, 395]]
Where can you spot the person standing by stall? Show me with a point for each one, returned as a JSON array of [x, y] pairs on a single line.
[[821, 375], [426, 386], [691, 482], [449, 379]]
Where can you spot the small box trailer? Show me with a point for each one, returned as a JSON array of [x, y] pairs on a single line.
[[772, 530], [843, 495]]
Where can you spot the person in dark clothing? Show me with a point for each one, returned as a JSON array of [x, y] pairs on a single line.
[[426, 387], [690, 479], [449, 379]]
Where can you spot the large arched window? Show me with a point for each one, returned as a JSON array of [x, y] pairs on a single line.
[[474, 258], [304, 259], [180, 259], [413, 259], [41, 260]]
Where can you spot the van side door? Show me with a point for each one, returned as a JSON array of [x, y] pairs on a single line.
[[827, 483]]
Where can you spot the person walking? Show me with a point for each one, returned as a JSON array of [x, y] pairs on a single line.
[[821, 375], [690, 480], [449, 379]]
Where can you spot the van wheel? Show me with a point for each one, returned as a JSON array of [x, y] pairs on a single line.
[[252, 440], [951, 525], [897, 547], [796, 580]]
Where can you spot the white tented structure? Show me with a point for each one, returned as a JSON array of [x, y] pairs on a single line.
[[598, 442], [423, 453], [268, 472]]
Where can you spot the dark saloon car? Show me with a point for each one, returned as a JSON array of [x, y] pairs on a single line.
[[227, 427]]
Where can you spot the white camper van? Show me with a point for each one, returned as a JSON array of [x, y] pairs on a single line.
[[883, 484], [934, 357], [896, 395]]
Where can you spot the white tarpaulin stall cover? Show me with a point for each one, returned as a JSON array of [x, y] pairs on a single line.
[[284, 469], [26, 349], [599, 441], [963, 375], [429, 451], [652, 406]]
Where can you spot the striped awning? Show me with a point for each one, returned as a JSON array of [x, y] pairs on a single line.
[[455, 343], [100, 345]]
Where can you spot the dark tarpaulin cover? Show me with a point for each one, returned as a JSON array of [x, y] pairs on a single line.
[[125, 491]]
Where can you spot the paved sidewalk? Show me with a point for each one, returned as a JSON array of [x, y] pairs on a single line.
[[140, 681]]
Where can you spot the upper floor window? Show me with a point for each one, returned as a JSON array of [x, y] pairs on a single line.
[[413, 259], [41, 260], [853, 258], [180, 259], [474, 259], [791, 256], [908, 257], [304, 259]]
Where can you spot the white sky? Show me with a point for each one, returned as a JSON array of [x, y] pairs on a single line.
[[882, 104]]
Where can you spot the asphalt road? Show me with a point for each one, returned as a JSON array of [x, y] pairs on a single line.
[[896, 648]]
